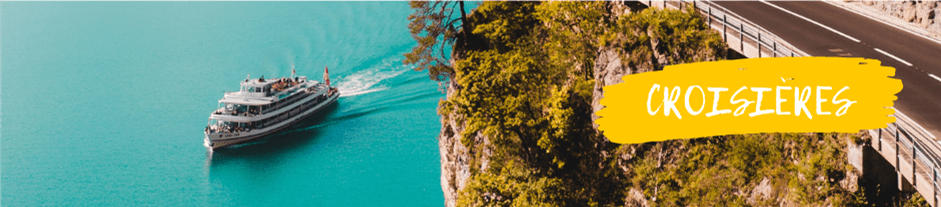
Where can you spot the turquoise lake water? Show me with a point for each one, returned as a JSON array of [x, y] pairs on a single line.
[[104, 103]]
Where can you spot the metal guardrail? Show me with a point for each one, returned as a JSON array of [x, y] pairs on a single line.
[[747, 31], [917, 141], [913, 137], [920, 153]]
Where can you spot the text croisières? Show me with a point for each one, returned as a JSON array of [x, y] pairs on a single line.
[[801, 97]]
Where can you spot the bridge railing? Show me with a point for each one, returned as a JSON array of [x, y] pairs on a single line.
[[911, 137]]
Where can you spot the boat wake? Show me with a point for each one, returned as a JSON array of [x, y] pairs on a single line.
[[367, 81]]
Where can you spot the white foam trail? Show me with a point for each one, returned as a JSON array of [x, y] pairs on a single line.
[[355, 93], [206, 144], [365, 81]]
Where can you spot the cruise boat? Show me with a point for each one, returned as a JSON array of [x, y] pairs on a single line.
[[265, 106]]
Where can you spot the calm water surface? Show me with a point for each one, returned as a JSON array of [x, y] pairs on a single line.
[[104, 103]]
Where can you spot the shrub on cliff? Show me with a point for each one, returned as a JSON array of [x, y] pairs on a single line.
[[753, 169], [652, 39]]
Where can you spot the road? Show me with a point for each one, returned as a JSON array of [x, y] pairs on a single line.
[[822, 29]]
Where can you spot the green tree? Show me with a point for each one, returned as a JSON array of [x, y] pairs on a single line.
[[513, 185], [503, 25], [434, 26], [572, 31], [535, 113], [653, 39]]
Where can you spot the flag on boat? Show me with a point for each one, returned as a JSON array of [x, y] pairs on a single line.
[[326, 75]]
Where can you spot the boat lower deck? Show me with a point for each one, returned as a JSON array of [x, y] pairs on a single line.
[[221, 140]]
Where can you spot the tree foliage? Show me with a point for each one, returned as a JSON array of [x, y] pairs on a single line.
[[523, 81], [534, 111], [572, 31], [801, 168], [656, 38], [528, 89], [504, 24], [513, 186], [435, 27]]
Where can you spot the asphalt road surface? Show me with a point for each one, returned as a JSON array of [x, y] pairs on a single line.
[[822, 29]]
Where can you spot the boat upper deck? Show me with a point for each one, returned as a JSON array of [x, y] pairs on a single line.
[[256, 92], [262, 98]]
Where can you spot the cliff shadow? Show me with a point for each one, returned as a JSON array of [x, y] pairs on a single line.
[[880, 180]]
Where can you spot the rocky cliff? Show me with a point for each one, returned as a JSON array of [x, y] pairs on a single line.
[[757, 169], [924, 15], [644, 49], [455, 157], [455, 168]]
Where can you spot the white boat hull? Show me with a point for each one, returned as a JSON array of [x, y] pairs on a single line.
[[220, 140]]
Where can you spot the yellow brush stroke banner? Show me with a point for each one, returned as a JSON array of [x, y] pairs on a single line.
[[794, 94]]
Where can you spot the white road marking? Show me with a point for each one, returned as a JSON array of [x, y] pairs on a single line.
[[893, 56], [885, 22], [811, 21], [909, 120], [935, 77]]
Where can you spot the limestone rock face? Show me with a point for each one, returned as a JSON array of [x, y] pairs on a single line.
[[454, 162], [925, 14], [455, 167], [456, 159], [608, 70]]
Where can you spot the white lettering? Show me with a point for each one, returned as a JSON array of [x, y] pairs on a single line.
[[778, 100], [689, 108], [758, 111], [842, 110], [800, 101], [819, 100], [669, 100], [715, 102], [741, 109], [656, 87]]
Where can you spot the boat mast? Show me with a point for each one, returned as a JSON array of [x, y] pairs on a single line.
[[326, 75]]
